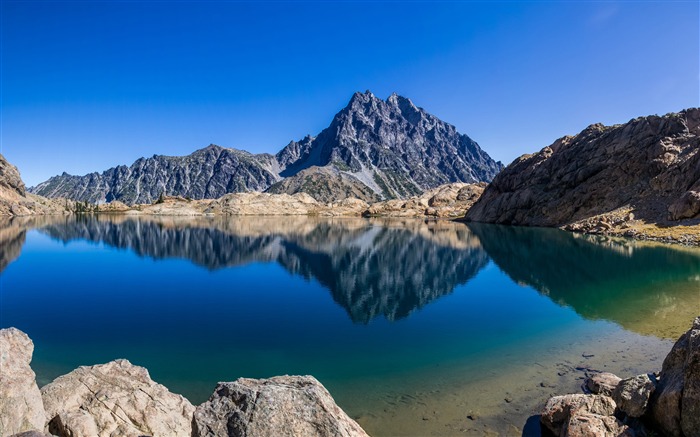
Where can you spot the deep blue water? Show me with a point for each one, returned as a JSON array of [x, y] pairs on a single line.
[[349, 301]]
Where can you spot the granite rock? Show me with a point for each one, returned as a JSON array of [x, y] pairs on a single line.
[[280, 406], [113, 399], [21, 408]]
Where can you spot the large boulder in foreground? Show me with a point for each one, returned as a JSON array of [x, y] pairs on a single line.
[[675, 406], [21, 408], [113, 399], [644, 171], [280, 406]]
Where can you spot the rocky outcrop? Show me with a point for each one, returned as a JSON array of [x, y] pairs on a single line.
[[372, 148], [21, 408], [675, 407], [116, 398], [15, 201], [450, 201], [280, 406], [638, 178], [325, 184]]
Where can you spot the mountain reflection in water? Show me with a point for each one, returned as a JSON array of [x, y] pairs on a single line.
[[391, 267]]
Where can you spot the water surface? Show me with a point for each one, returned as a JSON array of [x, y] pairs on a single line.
[[412, 325]]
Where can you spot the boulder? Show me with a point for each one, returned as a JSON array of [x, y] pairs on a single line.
[[21, 408], [32, 433], [560, 409], [279, 406], [602, 383], [675, 406], [588, 425], [113, 399], [632, 394], [687, 206]]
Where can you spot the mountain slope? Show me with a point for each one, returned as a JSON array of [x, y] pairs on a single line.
[[644, 171], [392, 146], [372, 148], [207, 173]]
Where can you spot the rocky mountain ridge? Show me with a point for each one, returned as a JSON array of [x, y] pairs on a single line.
[[637, 177], [372, 149]]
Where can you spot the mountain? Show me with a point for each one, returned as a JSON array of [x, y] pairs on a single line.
[[207, 173], [646, 171], [393, 147], [373, 148]]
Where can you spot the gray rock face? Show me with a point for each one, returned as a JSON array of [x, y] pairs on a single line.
[[113, 399], [675, 406], [392, 146], [632, 394], [207, 173], [602, 383], [325, 184], [21, 408], [372, 148], [560, 409], [650, 165], [280, 406]]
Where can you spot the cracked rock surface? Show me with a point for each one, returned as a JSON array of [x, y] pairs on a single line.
[[113, 399], [280, 406]]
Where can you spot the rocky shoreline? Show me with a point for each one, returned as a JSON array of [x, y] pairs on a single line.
[[665, 403], [119, 398]]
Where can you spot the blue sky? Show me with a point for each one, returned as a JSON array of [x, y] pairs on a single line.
[[90, 85]]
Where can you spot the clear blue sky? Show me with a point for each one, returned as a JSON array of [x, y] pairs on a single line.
[[90, 85]]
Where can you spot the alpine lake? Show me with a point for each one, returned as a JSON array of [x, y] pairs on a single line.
[[416, 327]]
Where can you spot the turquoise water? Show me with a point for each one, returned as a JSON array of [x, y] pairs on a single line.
[[369, 307]]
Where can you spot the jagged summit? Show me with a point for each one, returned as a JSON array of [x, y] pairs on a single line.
[[392, 146]]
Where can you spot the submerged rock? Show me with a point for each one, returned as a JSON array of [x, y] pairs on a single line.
[[676, 403], [21, 408], [602, 383], [114, 399], [632, 394], [279, 406]]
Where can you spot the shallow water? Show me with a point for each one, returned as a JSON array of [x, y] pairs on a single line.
[[412, 325]]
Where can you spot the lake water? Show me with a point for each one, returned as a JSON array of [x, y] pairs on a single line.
[[415, 327]]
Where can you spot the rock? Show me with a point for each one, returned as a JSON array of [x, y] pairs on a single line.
[[559, 409], [279, 406], [449, 200], [372, 148], [648, 168], [325, 184], [21, 408], [589, 425], [32, 433], [632, 394], [675, 405], [687, 206], [602, 383], [112, 399]]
